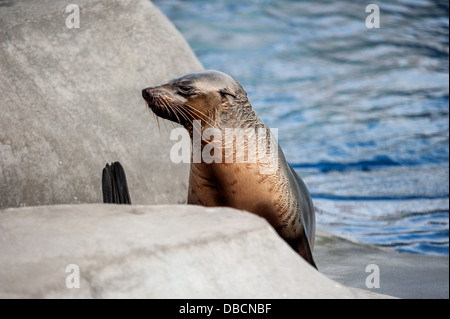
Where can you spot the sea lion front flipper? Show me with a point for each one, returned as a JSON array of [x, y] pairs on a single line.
[[114, 185]]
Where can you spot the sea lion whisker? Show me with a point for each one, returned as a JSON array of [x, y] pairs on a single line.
[[161, 103], [177, 110], [194, 116], [153, 114], [168, 107], [194, 127], [157, 122], [182, 113], [191, 112], [173, 110], [206, 117]]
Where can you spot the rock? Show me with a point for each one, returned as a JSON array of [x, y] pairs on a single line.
[[168, 251], [71, 101], [402, 275]]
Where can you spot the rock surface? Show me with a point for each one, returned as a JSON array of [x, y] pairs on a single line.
[[401, 275], [71, 101], [178, 251]]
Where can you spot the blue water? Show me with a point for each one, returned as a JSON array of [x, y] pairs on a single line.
[[362, 114]]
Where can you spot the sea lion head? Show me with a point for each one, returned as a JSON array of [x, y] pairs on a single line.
[[197, 96]]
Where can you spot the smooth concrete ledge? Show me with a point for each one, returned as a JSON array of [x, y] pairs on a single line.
[[177, 251]]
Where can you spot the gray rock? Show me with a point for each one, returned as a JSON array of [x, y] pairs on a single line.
[[71, 101], [178, 251], [401, 275]]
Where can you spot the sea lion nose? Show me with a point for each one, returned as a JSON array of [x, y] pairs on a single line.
[[145, 94]]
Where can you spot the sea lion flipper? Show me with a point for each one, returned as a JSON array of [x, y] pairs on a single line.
[[106, 185], [304, 249], [122, 186], [114, 185]]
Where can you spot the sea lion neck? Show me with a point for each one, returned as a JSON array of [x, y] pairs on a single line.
[[237, 113]]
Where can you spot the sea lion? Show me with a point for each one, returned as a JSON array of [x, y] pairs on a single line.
[[217, 101]]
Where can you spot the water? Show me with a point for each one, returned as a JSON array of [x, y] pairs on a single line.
[[362, 114]]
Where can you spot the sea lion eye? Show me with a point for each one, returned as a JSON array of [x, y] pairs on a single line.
[[227, 92], [185, 90]]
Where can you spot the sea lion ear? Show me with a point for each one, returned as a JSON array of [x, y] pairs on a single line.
[[226, 93]]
